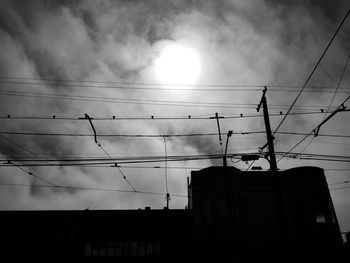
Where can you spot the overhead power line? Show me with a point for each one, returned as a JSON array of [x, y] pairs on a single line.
[[312, 72], [109, 156], [85, 161], [34, 175], [334, 80], [19, 146], [337, 169], [108, 161], [155, 86], [12, 164], [321, 135], [317, 128], [79, 82], [112, 189], [325, 159], [123, 135], [331, 102], [156, 157], [158, 167], [338, 188], [297, 155], [146, 101], [159, 135], [89, 189], [342, 182], [155, 117]]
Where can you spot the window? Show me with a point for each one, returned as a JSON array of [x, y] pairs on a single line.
[[103, 249], [110, 249], [320, 209], [122, 248], [141, 249], [313, 210], [118, 248], [87, 250], [156, 248], [126, 248], [149, 249], [95, 251], [320, 218], [133, 248]]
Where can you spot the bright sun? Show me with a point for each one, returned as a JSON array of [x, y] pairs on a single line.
[[177, 64]]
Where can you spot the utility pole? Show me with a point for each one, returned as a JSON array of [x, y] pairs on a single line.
[[217, 117], [282, 220], [269, 136], [229, 134], [167, 197]]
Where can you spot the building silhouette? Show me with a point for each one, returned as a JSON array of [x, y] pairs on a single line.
[[96, 233], [231, 214], [235, 213]]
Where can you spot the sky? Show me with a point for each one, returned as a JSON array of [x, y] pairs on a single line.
[[171, 60]]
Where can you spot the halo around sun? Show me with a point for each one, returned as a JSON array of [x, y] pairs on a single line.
[[177, 64]]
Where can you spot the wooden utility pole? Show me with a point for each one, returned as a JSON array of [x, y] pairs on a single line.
[[282, 220], [217, 117], [269, 136]]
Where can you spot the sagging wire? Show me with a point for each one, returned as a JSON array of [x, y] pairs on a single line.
[[330, 104], [110, 157], [316, 130]]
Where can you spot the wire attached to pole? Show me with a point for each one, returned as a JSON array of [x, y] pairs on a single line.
[[316, 130], [313, 71], [35, 175], [330, 104], [217, 117], [110, 157]]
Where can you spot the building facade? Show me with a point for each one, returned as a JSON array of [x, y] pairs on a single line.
[[232, 214], [104, 234], [237, 211]]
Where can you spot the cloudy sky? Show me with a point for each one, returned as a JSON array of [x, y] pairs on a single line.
[[166, 59]]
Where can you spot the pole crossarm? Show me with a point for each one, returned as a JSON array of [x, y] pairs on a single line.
[[340, 108]]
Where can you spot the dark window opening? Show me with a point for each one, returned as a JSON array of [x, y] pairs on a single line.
[[303, 212], [320, 218], [122, 248]]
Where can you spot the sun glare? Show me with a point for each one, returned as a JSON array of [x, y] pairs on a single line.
[[177, 64]]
